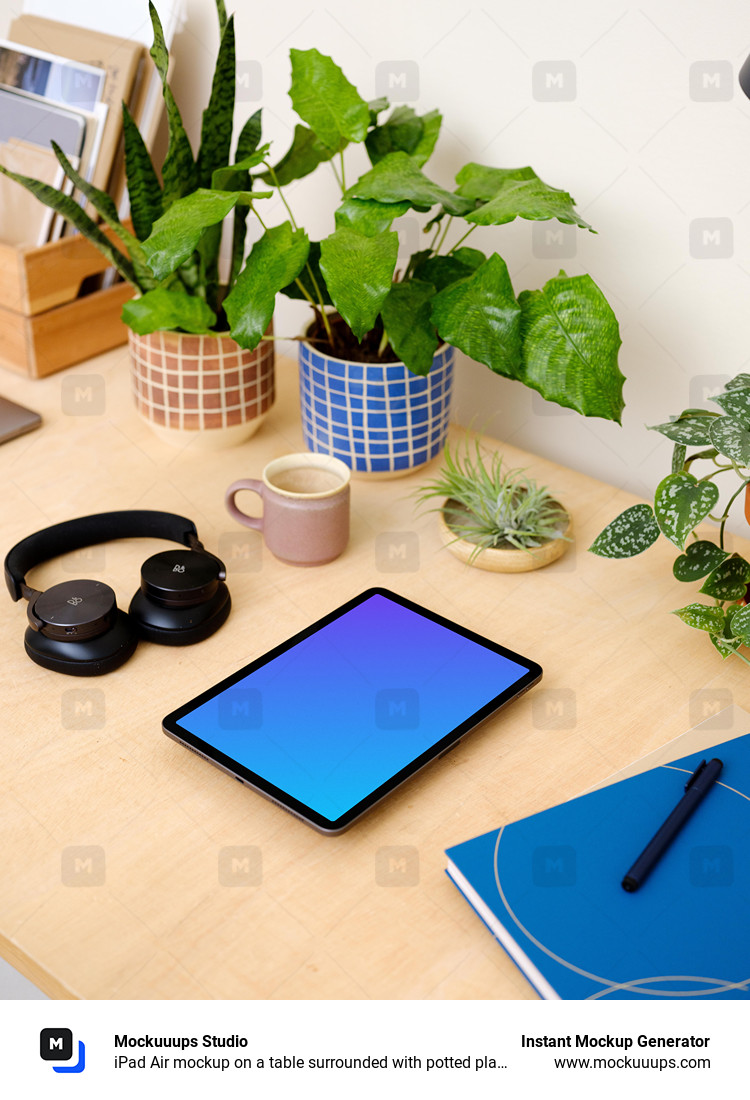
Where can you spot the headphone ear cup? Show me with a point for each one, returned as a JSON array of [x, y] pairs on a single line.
[[179, 625], [91, 657]]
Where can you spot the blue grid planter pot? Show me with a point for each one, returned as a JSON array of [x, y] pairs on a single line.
[[378, 418]]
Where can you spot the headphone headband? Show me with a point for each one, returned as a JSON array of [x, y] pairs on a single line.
[[74, 534]]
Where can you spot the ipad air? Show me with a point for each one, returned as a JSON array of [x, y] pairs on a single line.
[[334, 719]]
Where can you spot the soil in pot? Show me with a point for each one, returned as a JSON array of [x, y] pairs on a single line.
[[345, 344]]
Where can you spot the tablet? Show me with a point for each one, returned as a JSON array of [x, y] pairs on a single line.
[[334, 719]]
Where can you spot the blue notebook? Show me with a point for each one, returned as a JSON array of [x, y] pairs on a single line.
[[549, 888]]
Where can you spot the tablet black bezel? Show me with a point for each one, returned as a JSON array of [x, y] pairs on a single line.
[[171, 724]]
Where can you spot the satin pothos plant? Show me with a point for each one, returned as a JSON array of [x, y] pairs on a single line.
[[683, 500]]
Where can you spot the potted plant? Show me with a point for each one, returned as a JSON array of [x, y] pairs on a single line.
[[376, 374], [376, 364], [191, 379], [495, 518], [682, 501]]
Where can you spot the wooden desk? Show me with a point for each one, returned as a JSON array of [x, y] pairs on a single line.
[[367, 914]]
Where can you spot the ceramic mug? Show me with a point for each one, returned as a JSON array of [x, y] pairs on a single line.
[[305, 498]]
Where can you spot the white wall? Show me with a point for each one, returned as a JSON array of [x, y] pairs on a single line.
[[644, 152]]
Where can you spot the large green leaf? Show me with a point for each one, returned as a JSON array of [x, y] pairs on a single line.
[[431, 123], [441, 271], [699, 559], [411, 332], [415, 261], [695, 431], [218, 117], [702, 617], [274, 261], [172, 309], [740, 625], [368, 216], [739, 382], [301, 158], [313, 285], [470, 257], [406, 131], [397, 178], [729, 580], [731, 438], [222, 13], [570, 341], [480, 183], [508, 193], [726, 644], [179, 171], [358, 271], [401, 130], [324, 99], [376, 107], [630, 533], [480, 316], [175, 235], [736, 403], [144, 189], [72, 212], [681, 502], [233, 177]]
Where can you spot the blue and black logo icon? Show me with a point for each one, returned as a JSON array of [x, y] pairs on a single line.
[[56, 1045]]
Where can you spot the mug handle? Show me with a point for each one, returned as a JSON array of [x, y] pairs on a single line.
[[256, 522]]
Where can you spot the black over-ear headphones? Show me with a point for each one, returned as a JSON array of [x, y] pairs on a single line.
[[77, 628]]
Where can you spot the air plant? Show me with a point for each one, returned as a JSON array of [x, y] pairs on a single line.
[[492, 506]]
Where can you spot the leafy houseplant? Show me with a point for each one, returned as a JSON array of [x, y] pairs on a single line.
[[561, 340], [682, 501], [496, 518], [170, 255]]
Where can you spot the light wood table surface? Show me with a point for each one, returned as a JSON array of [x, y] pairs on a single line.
[[369, 914]]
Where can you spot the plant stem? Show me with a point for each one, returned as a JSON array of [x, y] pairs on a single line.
[[324, 316], [738, 654], [441, 242], [725, 517], [719, 470], [276, 184], [383, 343], [326, 323], [343, 174], [298, 282], [336, 175], [434, 239], [461, 240]]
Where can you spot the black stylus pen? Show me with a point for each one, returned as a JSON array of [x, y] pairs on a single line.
[[696, 788]]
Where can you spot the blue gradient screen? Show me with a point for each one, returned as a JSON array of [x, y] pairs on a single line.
[[341, 712]]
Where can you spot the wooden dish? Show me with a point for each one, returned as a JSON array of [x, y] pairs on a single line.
[[497, 559]]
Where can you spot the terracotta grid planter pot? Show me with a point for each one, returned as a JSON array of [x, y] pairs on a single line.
[[200, 382]]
